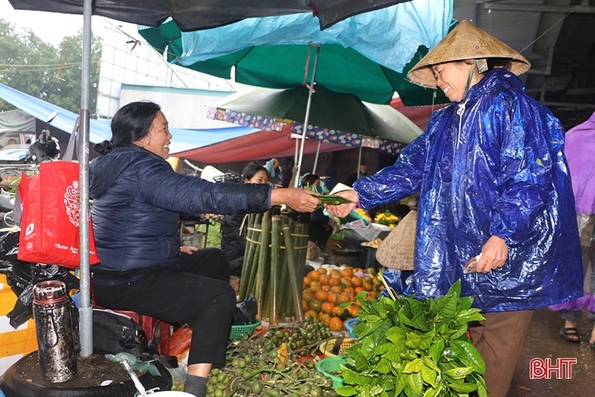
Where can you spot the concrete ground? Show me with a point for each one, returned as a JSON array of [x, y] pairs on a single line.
[[543, 341]]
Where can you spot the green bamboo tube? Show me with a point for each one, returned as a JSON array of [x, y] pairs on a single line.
[[286, 292], [296, 281], [263, 262], [249, 266], [275, 271]]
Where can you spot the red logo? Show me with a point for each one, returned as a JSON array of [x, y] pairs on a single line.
[[543, 368]]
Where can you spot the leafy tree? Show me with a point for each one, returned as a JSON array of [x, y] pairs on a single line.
[[37, 68]]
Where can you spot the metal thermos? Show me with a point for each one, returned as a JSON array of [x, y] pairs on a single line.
[[55, 338]]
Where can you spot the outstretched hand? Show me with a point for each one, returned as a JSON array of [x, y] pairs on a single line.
[[298, 199], [343, 210]]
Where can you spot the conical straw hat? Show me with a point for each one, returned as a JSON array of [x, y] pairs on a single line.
[[466, 41], [397, 250]]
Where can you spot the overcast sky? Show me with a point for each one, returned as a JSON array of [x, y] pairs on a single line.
[[53, 27]]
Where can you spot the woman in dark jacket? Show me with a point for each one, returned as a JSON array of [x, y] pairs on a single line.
[[137, 201], [233, 239]]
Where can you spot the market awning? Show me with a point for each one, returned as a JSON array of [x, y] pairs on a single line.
[[257, 146], [183, 139]]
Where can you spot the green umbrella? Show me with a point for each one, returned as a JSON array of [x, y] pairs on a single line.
[[341, 69], [333, 117]]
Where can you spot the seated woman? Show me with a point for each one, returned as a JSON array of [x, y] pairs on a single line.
[[137, 199], [233, 240]]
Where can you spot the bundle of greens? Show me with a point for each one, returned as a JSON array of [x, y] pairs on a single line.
[[410, 347]]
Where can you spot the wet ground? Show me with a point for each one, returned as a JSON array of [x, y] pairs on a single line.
[[544, 342]]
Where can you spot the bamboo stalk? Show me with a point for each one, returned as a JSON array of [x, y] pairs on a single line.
[[250, 267], [275, 271], [247, 263], [296, 281], [262, 272]]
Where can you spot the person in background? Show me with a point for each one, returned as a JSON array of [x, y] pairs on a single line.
[[331, 178], [233, 238], [137, 201], [579, 149], [494, 191], [363, 171], [287, 172], [319, 230]]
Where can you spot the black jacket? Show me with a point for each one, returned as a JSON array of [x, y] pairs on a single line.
[[137, 201]]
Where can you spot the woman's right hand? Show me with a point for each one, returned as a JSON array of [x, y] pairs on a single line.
[[298, 199], [344, 209]]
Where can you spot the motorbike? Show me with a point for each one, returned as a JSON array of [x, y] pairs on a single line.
[[45, 148]]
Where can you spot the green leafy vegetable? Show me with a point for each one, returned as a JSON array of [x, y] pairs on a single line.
[[411, 347]]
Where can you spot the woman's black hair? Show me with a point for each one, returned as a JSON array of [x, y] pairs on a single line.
[[309, 180], [130, 124], [251, 169]]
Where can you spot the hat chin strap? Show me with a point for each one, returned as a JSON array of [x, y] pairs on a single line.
[[471, 73]]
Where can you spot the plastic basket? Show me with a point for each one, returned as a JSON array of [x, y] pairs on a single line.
[[327, 347], [329, 366], [350, 325], [239, 331]]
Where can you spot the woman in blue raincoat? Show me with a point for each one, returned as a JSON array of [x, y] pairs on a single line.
[[494, 187]]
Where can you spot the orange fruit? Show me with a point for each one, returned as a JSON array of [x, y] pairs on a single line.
[[307, 295], [347, 272], [353, 310], [328, 307], [349, 290], [305, 305], [315, 305], [358, 290], [325, 287], [336, 324], [310, 313], [322, 270], [336, 289], [307, 281], [339, 312], [321, 295], [342, 298], [332, 297], [368, 285], [314, 285], [324, 318], [346, 281], [335, 281], [324, 279], [356, 281], [335, 274], [314, 275]]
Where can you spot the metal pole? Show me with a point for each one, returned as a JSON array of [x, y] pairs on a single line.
[[316, 158], [359, 163], [306, 119], [85, 310]]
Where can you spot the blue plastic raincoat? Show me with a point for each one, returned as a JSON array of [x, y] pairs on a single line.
[[492, 164]]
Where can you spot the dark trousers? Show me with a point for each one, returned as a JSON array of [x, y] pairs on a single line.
[[196, 291], [499, 339]]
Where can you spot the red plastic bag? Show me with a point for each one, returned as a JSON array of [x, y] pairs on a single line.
[[50, 219]]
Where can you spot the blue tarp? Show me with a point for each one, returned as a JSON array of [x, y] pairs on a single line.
[[389, 37], [183, 139]]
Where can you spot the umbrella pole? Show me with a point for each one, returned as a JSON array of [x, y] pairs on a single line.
[[307, 117], [316, 158], [86, 311], [359, 163]]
